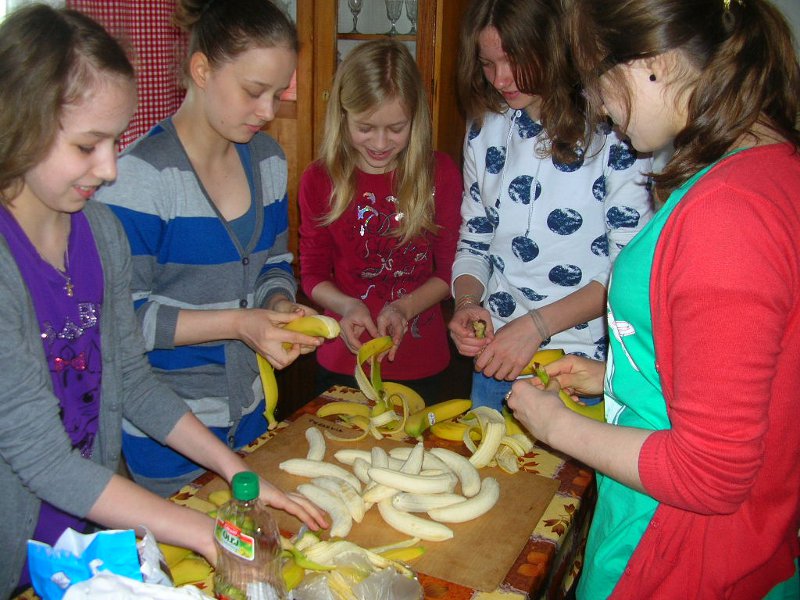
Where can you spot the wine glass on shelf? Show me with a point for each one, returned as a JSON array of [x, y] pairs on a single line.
[[411, 13], [393, 10], [355, 7]]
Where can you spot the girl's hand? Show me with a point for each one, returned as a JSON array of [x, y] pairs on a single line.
[[392, 321], [463, 332], [511, 350], [534, 407], [355, 320], [294, 504], [287, 306], [578, 375], [259, 329]]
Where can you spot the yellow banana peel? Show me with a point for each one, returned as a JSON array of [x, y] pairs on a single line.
[[596, 411], [344, 408], [404, 554], [219, 497], [395, 392], [315, 325], [292, 573], [173, 554], [542, 358], [370, 351], [421, 420], [191, 569]]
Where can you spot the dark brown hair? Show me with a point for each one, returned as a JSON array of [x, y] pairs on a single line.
[[223, 29], [49, 58], [747, 70], [533, 38]]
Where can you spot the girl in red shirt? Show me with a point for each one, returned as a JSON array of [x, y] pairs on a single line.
[[379, 221]]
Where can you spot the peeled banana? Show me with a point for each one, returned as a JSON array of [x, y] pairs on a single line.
[[413, 525], [315, 325], [472, 508]]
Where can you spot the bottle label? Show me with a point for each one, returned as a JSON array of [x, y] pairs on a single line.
[[234, 540]]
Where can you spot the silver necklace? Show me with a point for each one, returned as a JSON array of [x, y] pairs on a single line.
[[69, 287]]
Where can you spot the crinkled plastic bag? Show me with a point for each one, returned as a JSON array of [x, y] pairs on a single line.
[[383, 584], [107, 586], [76, 557]]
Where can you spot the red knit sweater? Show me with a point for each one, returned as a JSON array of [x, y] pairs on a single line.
[[726, 313]]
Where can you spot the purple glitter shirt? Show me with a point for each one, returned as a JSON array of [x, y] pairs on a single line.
[[70, 335]]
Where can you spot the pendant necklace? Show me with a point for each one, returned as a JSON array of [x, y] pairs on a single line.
[[69, 287]]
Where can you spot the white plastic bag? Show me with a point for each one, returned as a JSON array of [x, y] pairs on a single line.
[[107, 586]]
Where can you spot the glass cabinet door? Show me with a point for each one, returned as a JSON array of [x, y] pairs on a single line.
[[360, 20]]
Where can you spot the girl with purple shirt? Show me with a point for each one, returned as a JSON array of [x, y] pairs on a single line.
[[72, 352]]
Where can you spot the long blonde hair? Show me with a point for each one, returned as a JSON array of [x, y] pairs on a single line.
[[373, 73]]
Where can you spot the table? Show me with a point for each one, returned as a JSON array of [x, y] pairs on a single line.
[[552, 557]]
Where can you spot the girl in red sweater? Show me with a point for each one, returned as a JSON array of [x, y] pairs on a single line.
[[379, 221], [699, 485]]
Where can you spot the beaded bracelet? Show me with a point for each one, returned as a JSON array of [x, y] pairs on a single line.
[[541, 326]]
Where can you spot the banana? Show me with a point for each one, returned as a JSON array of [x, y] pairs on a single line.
[[344, 408], [472, 508], [190, 570], [347, 456], [429, 461], [413, 525], [406, 482], [465, 471], [370, 351], [341, 520], [395, 392], [316, 444], [419, 421], [408, 502], [542, 358], [316, 325], [453, 431], [348, 494], [376, 492], [361, 469], [270, 385], [317, 468]]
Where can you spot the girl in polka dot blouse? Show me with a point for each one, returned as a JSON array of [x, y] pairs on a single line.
[[547, 203]]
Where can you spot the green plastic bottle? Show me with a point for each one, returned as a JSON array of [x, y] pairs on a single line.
[[248, 546]]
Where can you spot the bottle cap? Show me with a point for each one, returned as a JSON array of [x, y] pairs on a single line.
[[245, 486]]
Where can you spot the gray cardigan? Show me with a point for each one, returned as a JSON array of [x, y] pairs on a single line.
[[36, 457]]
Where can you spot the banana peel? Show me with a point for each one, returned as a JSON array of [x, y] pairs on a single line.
[[191, 569], [595, 411], [314, 325], [454, 431], [404, 554]]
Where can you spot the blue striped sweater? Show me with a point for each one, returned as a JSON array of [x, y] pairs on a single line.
[[186, 256]]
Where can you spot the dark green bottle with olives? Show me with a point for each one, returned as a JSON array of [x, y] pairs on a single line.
[[248, 546]]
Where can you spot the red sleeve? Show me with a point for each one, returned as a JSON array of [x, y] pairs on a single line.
[[724, 276], [449, 185], [316, 243]]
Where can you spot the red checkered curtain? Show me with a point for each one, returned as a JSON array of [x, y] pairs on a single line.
[[157, 48]]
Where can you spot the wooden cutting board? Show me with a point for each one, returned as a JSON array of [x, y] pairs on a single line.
[[478, 556]]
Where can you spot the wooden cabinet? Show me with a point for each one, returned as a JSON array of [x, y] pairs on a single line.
[[324, 29]]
